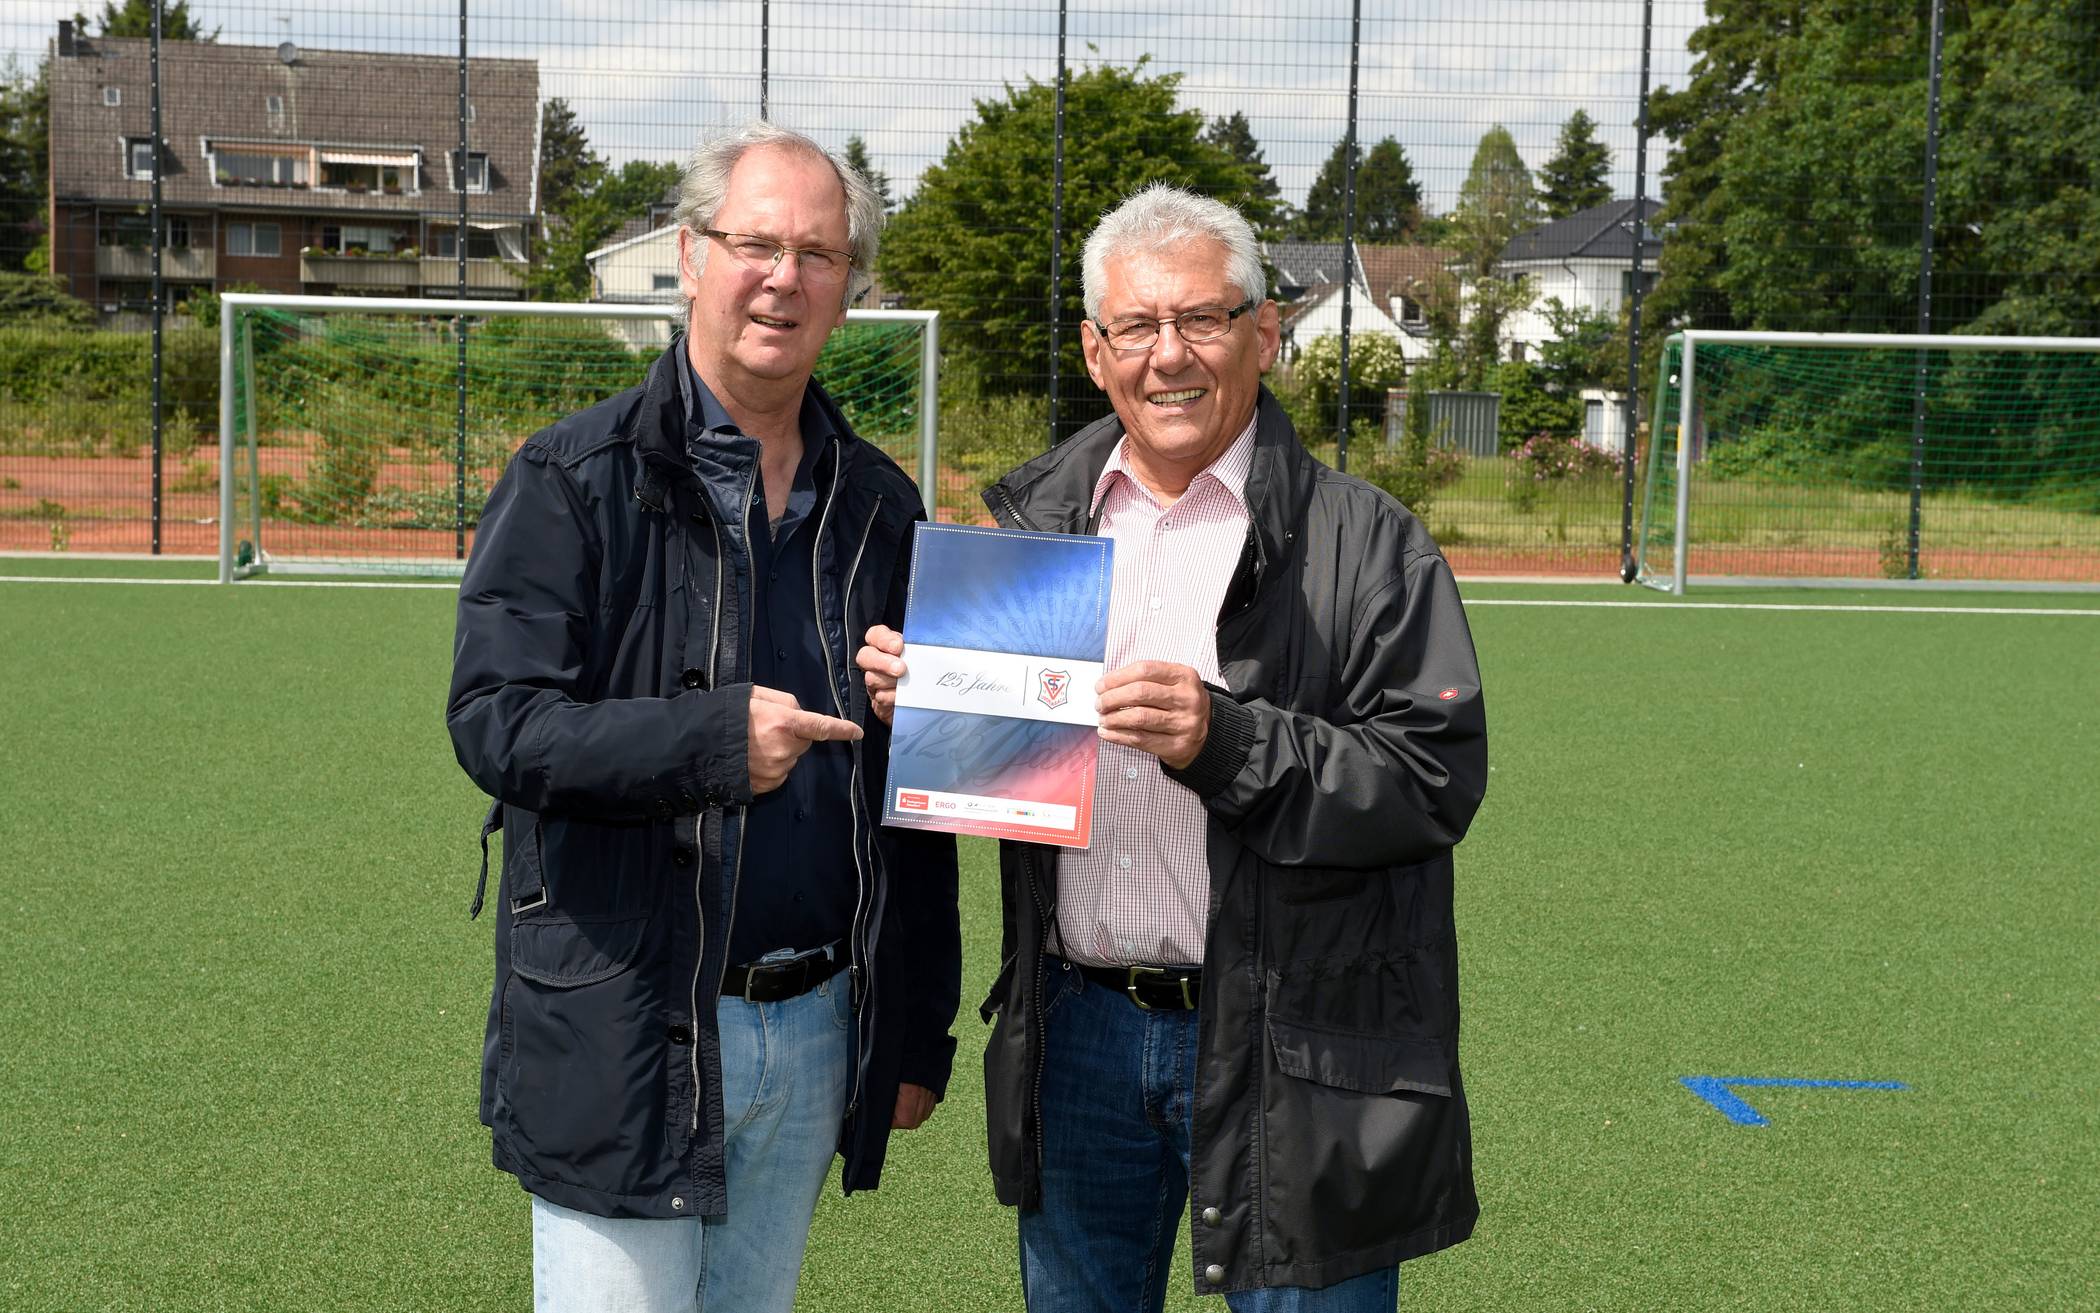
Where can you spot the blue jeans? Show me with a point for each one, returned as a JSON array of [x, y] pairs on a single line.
[[785, 1068], [1118, 1090]]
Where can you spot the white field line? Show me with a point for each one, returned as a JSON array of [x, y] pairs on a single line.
[[2093, 612], [1783, 606]]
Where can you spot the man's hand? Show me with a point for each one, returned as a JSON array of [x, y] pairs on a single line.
[[881, 658], [781, 732], [914, 1106], [1156, 707]]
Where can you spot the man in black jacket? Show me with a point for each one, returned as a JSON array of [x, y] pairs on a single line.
[[1244, 994], [713, 971]]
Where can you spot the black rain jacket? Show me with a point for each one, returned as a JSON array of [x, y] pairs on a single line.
[[600, 694], [1347, 753]]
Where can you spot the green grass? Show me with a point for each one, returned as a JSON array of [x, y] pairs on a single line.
[[244, 1004]]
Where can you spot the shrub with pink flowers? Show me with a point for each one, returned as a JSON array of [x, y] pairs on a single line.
[[1549, 458]]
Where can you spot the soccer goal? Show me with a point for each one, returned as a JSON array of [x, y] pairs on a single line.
[[361, 435], [1911, 459]]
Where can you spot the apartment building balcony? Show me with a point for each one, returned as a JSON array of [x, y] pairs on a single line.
[[380, 272], [132, 262], [442, 272]]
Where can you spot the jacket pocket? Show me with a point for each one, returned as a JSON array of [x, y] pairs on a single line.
[[1374, 1025], [568, 953]]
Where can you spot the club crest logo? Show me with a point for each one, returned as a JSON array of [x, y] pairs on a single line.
[[1051, 687]]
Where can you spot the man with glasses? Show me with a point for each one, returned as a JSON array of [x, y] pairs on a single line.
[[1244, 995], [713, 969]]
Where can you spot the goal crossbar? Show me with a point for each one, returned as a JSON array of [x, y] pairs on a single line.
[[1688, 341], [234, 306]]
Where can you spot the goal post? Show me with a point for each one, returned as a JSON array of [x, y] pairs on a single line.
[[348, 445], [1918, 460]]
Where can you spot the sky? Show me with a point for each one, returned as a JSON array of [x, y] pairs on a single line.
[[647, 79]]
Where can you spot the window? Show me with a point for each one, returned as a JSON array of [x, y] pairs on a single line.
[[112, 96], [130, 231], [481, 245], [358, 239], [178, 232], [663, 282], [1411, 311], [273, 104], [477, 171], [252, 239], [235, 168], [138, 157]]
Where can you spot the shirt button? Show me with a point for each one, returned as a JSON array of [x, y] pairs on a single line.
[[1123, 860], [780, 654], [1130, 772], [1156, 604]]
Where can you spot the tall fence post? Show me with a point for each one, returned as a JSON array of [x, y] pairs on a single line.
[[765, 59], [1057, 228], [1932, 177], [159, 288], [1628, 443], [1341, 437], [459, 249]]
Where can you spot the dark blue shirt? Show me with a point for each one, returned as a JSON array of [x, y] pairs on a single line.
[[798, 884]]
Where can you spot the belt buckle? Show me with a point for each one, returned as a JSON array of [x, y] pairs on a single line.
[[1130, 980]]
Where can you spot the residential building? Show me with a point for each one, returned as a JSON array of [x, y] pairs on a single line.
[[1584, 260], [289, 170], [1393, 289]]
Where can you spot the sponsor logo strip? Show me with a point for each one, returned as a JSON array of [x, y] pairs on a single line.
[[980, 807]]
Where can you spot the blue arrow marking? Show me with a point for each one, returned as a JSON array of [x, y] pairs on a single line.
[[1718, 1091]]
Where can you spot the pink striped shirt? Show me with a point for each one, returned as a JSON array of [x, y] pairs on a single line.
[[1141, 892]]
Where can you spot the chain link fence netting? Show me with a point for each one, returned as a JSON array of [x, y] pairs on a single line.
[[1477, 250]]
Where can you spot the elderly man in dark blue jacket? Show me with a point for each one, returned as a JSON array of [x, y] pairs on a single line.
[[713, 970]]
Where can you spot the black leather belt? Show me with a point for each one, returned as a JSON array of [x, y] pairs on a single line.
[[1169, 989], [770, 982]]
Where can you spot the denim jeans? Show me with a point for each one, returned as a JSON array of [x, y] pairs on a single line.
[[1118, 1090], [785, 1068]]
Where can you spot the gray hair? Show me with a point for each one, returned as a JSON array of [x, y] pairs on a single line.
[[1160, 217], [705, 185]]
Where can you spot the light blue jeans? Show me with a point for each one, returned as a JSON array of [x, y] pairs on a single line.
[[785, 1067]]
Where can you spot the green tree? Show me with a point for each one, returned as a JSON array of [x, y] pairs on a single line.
[[39, 299], [1795, 180], [1495, 203], [1388, 198], [25, 136], [569, 168], [1577, 176], [1232, 134], [974, 239], [135, 18], [857, 159]]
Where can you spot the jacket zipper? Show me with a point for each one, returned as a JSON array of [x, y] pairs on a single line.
[[1013, 512], [858, 968], [1035, 1008], [736, 875], [714, 653]]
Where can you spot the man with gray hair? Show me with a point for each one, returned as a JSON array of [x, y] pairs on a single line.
[[1244, 995], [713, 969]]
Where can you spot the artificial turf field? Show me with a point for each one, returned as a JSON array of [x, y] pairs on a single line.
[[242, 1004]]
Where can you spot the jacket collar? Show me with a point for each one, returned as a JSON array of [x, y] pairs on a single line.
[[659, 430], [1054, 490]]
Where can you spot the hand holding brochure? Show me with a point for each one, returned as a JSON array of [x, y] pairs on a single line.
[[1005, 633]]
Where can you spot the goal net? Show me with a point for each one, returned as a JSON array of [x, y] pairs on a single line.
[[1869, 458], [360, 435]]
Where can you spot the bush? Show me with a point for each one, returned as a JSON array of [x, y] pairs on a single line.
[[1528, 408], [1375, 364], [1549, 458]]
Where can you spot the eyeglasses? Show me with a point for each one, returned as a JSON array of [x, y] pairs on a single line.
[[816, 263], [1206, 324]]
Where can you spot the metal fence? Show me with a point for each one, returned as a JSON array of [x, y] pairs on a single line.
[[1877, 167]]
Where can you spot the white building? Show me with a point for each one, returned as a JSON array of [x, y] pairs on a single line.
[[638, 267], [1585, 260], [1391, 290]]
